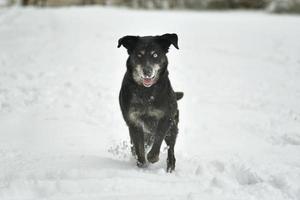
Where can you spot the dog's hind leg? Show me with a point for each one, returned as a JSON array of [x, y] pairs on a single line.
[[137, 138], [170, 140]]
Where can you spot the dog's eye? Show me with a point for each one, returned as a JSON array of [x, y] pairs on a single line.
[[154, 55]]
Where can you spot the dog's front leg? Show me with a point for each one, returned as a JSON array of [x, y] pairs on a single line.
[[162, 129], [137, 138]]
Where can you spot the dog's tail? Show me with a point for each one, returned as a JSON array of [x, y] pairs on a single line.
[[179, 95]]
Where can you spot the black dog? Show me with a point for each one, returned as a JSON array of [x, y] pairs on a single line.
[[147, 100]]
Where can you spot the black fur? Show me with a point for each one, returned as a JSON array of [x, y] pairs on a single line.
[[147, 100]]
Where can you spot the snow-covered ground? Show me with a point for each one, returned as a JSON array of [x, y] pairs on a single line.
[[61, 131], [3, 2]]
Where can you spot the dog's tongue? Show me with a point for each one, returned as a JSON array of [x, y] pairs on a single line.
[[147, 82]]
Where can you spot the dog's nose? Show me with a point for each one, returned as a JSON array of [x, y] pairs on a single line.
[[147, 72]]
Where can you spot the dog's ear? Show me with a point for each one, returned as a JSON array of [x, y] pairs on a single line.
[[167, 39], [128, 42]]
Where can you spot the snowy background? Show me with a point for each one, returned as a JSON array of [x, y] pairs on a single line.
[[61, 131]]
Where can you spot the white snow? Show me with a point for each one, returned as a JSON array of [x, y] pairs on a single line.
[[61, 131], [3, 2]]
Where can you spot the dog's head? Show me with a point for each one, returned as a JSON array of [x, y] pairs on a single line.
[[147, 56]]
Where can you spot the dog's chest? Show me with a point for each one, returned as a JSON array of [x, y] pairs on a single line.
[[144, 113]]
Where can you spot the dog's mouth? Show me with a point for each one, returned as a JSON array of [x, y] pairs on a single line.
[[148, 82]]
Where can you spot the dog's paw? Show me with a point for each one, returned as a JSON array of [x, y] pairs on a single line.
[[141, 164], [171, 165], [153, 157]]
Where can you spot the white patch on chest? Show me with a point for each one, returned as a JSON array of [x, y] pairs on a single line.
[[156, 113], [135, 117]]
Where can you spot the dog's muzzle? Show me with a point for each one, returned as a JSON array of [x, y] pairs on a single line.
[[148, 81]]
